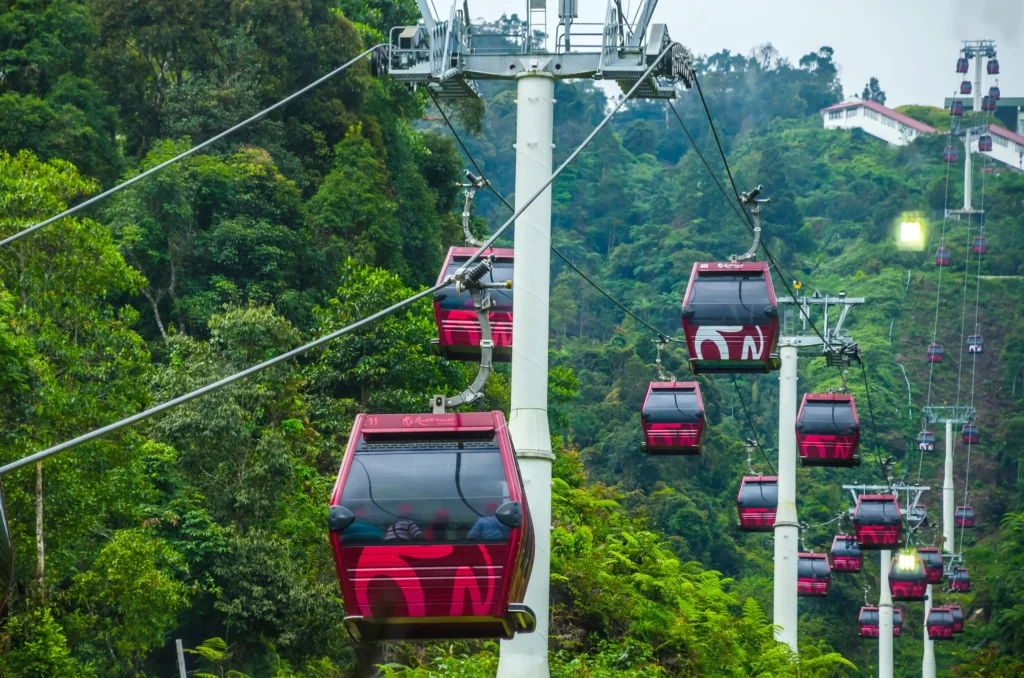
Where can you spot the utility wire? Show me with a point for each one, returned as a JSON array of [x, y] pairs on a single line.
[[153, 170], [750, 422], [92, 435]]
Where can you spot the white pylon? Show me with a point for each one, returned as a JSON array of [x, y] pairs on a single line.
[[928, 662], [885, 619], [977, 82], [787, 529], [948, 502], [526, 656]]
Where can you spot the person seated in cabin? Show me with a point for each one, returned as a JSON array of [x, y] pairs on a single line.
[[489, 528], [362, 531], [438, 529], [405, 528]]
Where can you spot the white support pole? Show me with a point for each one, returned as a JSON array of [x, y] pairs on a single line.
[[526, 656], [787, 529], [968, 168], [977, 83], [948, 503], [885, 619], [928, 663]]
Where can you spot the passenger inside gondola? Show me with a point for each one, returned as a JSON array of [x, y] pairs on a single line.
[[489, 528]]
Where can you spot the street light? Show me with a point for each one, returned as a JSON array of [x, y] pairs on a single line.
[[910, 233]]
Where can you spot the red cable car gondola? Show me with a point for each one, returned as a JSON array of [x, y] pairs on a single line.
[[935, 353], [897, 622], [458, 326], [980, 243], [430, 528], [965, 87], [813, 575], [868, 621], [926, 441], [956, 109], [950, 154], [958, 618], [988, 104], [907, 578], [673, 418], [962, 65], [984, 145], [827, 430], [975, 344], [960, 581], [730, 318], [877, 521], [932, 559], [994, 92], [757, 502], [940, 623], [942, 256], [846, 554], [971, 434], [992, 67], [964, 516]]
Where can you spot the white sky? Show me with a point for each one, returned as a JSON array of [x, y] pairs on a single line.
[[910, 45]]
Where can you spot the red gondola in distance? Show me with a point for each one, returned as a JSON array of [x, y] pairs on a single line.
[[975, 344], [926, 441], [940, 623], [430, 529], [813, 575], [932, 559], [897, 622], [965, 87], [994, 92], [956, 109], [936, 353], [673, 418], [868, 622], [985, 146], [757, 503], [877, 522], [962, 65], [458, 327], [960, 581], [979, 245], [992, 67], [950, 154], [731, 319], [958, 618], [964, 516], [846, 554], [942, 256], [907, 578], [971, 434], [827, 430]]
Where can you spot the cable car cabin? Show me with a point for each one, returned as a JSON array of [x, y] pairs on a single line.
[[897, 622], [917, 514], [939, 623], [974, 344], [813, 575], [907, 578], [731, 319], [958, 618], [846, 554], [458, 328], [430, 529], [960, 581], [942, 257], [757, 502], [992, 67], [988, 104], [673, 418], [868, 622], [956, 109], [932, 559], [971, 434], [827, 430], [950, 154], [962, 65], [935, 353], [926, 441], [994, 92], [877, 521], [985, 143], [980, 243], [965, 87], [964, 516]]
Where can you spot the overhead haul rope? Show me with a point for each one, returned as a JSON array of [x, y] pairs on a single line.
[[209, 388], [181, 156]]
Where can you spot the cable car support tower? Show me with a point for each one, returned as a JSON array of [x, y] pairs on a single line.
[[840, 350], [448, 54]]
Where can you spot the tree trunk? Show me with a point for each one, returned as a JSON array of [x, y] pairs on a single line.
[[153, 302], [40, 545]]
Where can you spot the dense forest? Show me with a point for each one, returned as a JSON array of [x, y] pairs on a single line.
[[207, 523]]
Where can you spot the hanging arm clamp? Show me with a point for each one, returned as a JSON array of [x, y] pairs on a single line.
[[750, 198]]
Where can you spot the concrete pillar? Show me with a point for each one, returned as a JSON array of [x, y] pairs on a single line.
[[787, 529], [885, 619]]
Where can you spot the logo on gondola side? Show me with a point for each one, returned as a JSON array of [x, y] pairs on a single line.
[[429, 420], [752, 347]]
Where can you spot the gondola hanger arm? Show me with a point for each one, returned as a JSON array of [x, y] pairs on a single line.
[[750, 198]]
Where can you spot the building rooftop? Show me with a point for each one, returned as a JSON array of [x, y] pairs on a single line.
[[882, 110], [1006, 134]]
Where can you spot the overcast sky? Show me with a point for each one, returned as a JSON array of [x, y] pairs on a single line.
[[910, 45]]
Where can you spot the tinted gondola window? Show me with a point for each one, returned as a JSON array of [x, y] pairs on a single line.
[[940, 617], [759, 495], [672, 405], [897, 617], [826, 418], [878, 513], [847, 548], [729, 300], [501, 273], [931, 559], [434, 492], [812, 568], [869, 617]]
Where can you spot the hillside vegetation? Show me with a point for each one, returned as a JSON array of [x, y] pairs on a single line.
[[207, 524]]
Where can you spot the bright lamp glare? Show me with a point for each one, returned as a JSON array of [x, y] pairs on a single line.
[[910, 232], [907, 561]]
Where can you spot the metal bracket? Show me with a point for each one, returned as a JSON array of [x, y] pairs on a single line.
[[750, 198], [662, 343], [469, 191]]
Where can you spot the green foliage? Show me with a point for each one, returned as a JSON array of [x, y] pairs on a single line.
[[35, 646]]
